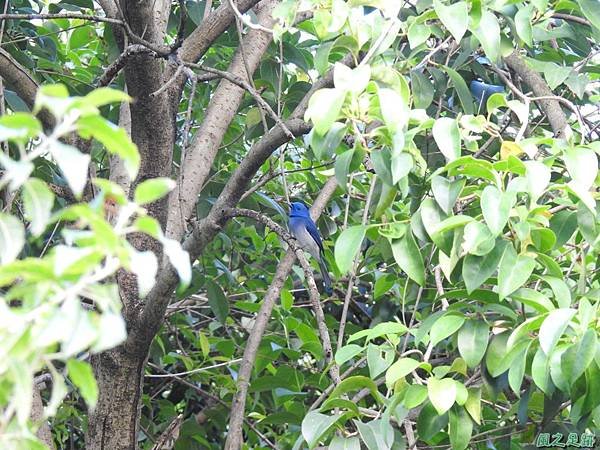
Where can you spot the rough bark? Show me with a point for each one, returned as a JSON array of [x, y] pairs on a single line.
[[37, 416], [552, 109], [221, 110], [113, 425], [18, 78], [234, 437]]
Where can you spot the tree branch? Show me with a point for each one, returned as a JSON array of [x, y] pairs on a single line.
[[552, 109], [205, 230], [234, 437], [19, 79], [88, 17], [223, 107], [113, 69], [200, 40]]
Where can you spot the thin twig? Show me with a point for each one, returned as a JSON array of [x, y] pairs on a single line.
[[354, 268], [246, 21], [244, 85], [89, 17], [189, 372], [312, 286]]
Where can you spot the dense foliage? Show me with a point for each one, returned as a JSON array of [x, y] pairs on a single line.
[[455, 145]]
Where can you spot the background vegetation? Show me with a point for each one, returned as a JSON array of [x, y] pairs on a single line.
[[151, 297]]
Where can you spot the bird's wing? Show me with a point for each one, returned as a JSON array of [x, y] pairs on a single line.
[[314, 232]]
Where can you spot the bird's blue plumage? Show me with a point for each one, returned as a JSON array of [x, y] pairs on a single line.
[[307, 234]]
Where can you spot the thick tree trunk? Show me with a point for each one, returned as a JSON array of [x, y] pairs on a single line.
[[113, 425]]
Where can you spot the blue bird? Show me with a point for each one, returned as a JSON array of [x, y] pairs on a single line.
[[307, 234], [482, 91]]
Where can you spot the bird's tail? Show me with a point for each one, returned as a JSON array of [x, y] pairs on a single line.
[[325, 275]]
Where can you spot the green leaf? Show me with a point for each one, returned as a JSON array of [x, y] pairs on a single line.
[[447, 137], [381, 329], [353, 80], [382, 164], [218, 302], [442, 393], [347, 352], [531, 324], [38, 201], [472, 341], [408, 256], [73, 164], [473, 404], [495, 355], [151, 190], [523, 20], [496, 206], [429, 422], [347, 247], [517, 370], [401, 165], [455, 17], [433, 219], [12, 238], [422, 89], [562, 293], [314, 425], [394, 110], [104, 96], [342, 443], [540, 371], [82, 376], [115, 139], [378, 434], [378, 364], [19, 127], [324, 107], [555, 75], [495, 101], [145, 266], [446, 192], [534, 299], [538, 177], [553, 328], [325, 146], [461, 428], [514, 271], [464, 95], [400, 369], [418, 33], [589, 8], [342, 167], [564, 224], [488, 34], [576, 359], [180, 259], [478, 240], [414, 396], [444, 327], [477, 269], [356, 383], [582, 164]]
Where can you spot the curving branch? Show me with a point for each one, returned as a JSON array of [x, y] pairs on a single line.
[[206, 229], [115, 67], [223, 107], [19, 79], [88, 17], [200, 40], [234, 437], [551, 107]]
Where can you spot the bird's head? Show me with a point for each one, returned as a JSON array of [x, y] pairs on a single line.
[[298, 209]]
